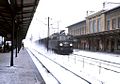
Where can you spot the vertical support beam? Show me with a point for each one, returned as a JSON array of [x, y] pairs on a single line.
[[4, 44], [116, 42], [12, 47], [16, 42], [48, 34], [102, 44], [16, 49]]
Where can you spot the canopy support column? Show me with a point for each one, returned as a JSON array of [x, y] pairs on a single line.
[[12, 47]]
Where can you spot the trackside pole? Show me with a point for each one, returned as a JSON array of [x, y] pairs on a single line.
[[48, 34]]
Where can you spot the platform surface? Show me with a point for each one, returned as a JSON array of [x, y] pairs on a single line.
[[22, 72]]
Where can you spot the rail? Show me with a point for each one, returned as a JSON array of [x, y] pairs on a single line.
[[108, 65]]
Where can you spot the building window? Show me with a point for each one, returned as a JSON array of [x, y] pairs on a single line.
[[119, 22], [80, 30], [90, 25], [108, 25], [94, 26], [74, 32], [99, 24], [113, 23], [85, 29]]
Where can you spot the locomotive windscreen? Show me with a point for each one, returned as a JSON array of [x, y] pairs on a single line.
[[65, 37]]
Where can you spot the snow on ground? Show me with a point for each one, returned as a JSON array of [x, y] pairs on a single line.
[[86, 67], [46, 76], [61, 74]]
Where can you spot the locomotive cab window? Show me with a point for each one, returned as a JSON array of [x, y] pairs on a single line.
[[62, 38]]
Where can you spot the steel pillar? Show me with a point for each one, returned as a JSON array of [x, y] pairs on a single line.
[[12, 47]]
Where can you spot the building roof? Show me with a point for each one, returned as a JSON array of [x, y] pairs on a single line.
[[118, 7], [96, 14], [84, 21]]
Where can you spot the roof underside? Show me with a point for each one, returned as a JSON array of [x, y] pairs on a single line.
[[16, 14]]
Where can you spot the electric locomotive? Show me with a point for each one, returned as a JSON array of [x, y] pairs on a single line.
[[61, 43]]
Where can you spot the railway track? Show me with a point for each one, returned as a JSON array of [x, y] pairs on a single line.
[[70, 76], [45, 71], [105, 64]]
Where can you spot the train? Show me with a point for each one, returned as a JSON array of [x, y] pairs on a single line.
[[61, 43]]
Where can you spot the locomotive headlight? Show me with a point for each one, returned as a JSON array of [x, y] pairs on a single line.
[[71, 44], [61, 44]]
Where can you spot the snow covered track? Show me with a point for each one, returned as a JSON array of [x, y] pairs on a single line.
[[101, 63], [47, 80], [95, 67], [50, 65]]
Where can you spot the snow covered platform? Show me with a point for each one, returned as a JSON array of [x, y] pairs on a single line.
[[23, 72]]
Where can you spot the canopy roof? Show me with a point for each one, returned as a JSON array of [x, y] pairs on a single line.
[[16, 16]]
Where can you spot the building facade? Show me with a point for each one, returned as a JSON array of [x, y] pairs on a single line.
[[77, 30], [99, 32]]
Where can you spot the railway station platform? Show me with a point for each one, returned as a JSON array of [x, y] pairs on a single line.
[[24, 70]]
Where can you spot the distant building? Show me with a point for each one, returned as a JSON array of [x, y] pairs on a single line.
[[99, 32], [77, 30]]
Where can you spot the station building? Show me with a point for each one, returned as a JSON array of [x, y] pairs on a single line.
[[98, 32]]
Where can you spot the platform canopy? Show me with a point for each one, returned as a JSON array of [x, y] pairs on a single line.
[[16, 16]]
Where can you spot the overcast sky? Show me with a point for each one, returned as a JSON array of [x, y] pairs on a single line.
[[62, 13]]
